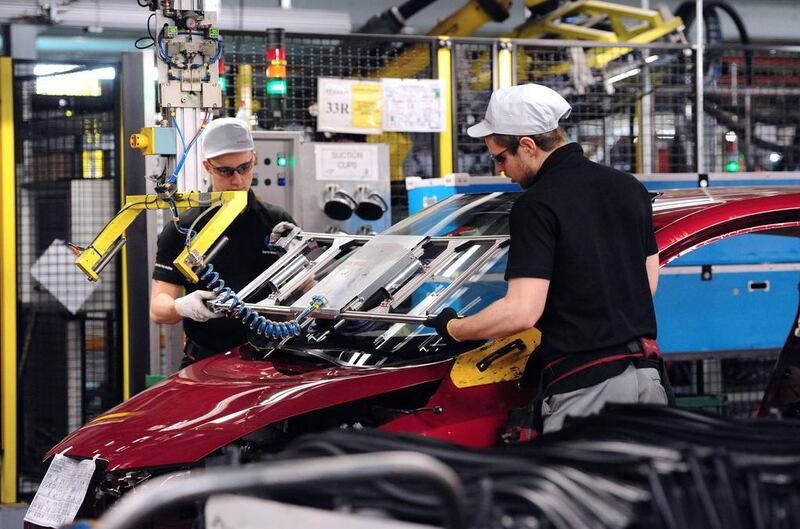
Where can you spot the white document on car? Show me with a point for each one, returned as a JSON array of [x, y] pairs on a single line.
[[61, 493]]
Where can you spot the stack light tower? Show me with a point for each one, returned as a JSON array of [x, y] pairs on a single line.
[[276, 86]]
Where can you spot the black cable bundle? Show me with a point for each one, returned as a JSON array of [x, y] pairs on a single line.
[[629, 467]]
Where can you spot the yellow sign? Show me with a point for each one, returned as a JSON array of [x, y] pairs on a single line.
[[367, 105]]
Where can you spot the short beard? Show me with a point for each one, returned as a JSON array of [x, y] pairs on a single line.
[[528, 179]]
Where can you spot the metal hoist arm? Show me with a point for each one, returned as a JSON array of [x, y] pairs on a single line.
[[108, 242]]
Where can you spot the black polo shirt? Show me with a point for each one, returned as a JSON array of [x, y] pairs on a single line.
[[239, 262], [588, 229]]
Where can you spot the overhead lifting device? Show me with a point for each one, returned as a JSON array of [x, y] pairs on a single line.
[[188, 46], [580, 20], [592, 21]]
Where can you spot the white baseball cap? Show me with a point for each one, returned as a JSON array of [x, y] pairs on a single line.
[[522, 110], [226, 135]]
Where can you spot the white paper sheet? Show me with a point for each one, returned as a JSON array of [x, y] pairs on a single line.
[[349, 105], [413, 105], [62, 490]]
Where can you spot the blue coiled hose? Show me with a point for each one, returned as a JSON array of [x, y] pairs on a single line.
[[273, 329]]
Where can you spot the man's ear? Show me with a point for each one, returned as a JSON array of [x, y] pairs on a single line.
[[207, 166], [527, 143]]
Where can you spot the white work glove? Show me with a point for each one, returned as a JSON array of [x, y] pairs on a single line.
[[193, 306], [280, 229]]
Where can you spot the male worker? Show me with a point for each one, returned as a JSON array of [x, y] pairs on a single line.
[[582, 264], [229, 157]]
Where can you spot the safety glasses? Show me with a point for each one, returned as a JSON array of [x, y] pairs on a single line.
[[501, 156], [228, 171]]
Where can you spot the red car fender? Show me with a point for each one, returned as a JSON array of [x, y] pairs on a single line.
[[216, 401], [474, 416]]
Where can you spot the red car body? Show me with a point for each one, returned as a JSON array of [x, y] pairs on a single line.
[[215, 402]]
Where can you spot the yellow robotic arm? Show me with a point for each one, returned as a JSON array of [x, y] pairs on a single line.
[[628, 24], [463, 22], [92, 259]]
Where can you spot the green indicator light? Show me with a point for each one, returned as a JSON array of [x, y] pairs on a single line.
[[281, 161], [276, 86], [223, 83], [732, 166]]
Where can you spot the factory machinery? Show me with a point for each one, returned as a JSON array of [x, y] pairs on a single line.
[[341, 279], [328, 188]]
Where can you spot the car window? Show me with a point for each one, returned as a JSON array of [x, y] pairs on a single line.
[[460, 215], [368, 343]]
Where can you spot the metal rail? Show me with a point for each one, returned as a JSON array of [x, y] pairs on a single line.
[[344, 315], [133, 509], [378, 316]]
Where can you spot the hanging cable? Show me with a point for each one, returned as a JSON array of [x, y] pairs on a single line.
[[178, 129], [148, 37], [188, 148], [238, 310], [190, 233]]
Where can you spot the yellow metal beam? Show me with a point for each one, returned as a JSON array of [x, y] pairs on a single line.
[[650, 27], [505, 65], [233, 203], [574, 32], [463, 22], [444, 58], [8, 287]]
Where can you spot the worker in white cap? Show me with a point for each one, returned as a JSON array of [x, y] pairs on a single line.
[[229, 157], [582, 264]]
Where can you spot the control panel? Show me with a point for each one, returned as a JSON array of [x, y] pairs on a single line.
[[326, 187], [275, 170]]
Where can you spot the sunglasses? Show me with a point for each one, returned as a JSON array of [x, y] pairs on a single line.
[[228, 171], [500, 157]]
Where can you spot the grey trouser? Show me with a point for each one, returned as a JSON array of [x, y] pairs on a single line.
[[629, 387]]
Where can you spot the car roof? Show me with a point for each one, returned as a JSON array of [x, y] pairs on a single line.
[[688, 218], [675, 204]]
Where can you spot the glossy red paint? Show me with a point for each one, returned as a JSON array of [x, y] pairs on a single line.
[[728, 212], [219, 400], [214, 402], [473, 417]]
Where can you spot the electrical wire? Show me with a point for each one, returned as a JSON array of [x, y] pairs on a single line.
[[149, 35], [190, 232], [179, 130], [188, 148]]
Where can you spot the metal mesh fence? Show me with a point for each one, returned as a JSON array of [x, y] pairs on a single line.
[[728, 383], [751, 112], [473, 88], [310, 57], [69, 339], [632, 108]]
